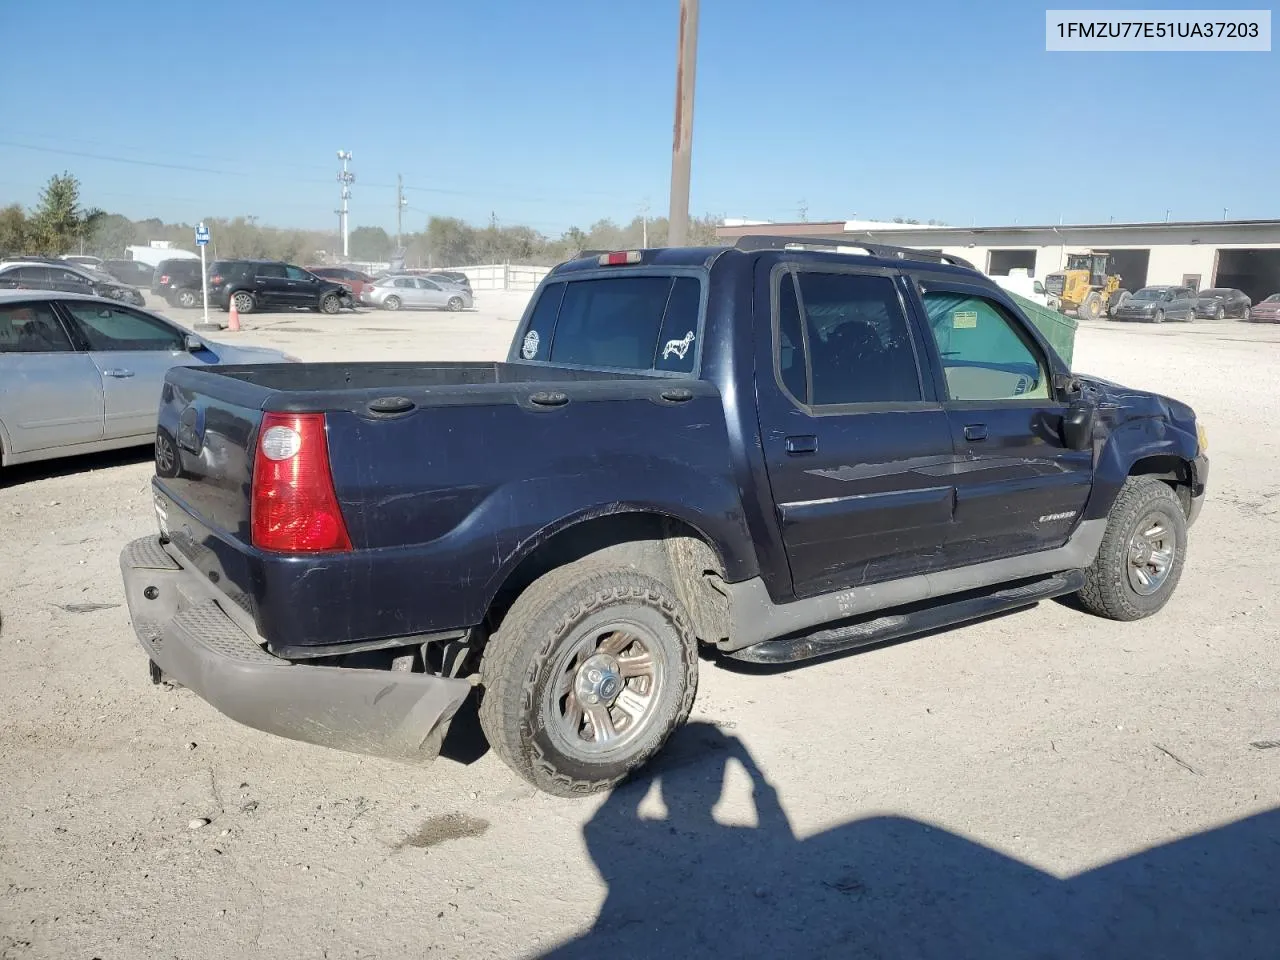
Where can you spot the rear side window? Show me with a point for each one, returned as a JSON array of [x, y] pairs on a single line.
[[31, 328], [271, 270], [858, 342], [628, 323], [536, 344]]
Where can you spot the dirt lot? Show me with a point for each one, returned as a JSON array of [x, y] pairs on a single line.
[[1045, 782]]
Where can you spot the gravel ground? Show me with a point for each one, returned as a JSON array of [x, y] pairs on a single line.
[[1042, 783]]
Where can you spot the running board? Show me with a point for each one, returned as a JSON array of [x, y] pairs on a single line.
[[918, 618]]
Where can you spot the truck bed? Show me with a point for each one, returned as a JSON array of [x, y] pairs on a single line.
[[443, 472]]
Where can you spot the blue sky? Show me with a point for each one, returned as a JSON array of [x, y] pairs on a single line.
[[558, 112]]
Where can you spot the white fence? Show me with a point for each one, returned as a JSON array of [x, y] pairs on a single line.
[[503, 276]]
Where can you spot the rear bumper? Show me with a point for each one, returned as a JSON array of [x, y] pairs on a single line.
[[183, 626]]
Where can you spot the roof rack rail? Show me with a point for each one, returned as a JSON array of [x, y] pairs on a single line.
[[883, 250]]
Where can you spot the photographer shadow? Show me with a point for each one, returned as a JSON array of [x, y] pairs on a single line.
[[688, 886]]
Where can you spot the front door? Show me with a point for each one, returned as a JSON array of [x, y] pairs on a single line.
[[133, 352], [302, 289], [1018, 488], [50, 394], [431, 294], [856, 442]]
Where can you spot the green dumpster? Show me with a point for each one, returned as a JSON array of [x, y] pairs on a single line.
[[1057, 328]]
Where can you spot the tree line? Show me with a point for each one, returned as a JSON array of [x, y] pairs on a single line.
[[60, 224]]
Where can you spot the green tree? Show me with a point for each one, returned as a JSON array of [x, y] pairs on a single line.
[[111, 235], [59, 222], [13, 230], [450, 242], [370, 243]]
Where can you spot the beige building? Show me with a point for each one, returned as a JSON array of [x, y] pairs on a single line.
[[1213, 253]]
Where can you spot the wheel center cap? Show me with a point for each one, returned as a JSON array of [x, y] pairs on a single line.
[[598, 681]]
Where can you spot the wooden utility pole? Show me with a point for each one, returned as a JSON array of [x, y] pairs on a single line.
[[682, 140]]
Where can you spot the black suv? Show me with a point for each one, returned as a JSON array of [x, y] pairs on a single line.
[[178, 281], [133, 272], [271, 284], [46, 273]]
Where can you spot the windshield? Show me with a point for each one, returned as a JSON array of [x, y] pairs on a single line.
[[1274, 298], [1150, 293]]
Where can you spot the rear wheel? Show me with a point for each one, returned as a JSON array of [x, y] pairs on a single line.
[[1140, 560], [186, 298], [1091, 307], [330, 303], [391, 303], [1219, 314], [455, 304], [592, 669], [1158, 317], [1117, 300], [244, 302]]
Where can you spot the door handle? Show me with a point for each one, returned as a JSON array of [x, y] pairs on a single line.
[[975, 432], [118, 374], [798, 446]]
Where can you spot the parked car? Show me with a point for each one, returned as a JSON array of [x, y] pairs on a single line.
[[354, 280], [43, 273], [454, 276], [868, 447], [132, 272], [1219, 302], [392, 293], [1266, 311], [1157, 304], [271, 284], [178, 281], [80, 374]]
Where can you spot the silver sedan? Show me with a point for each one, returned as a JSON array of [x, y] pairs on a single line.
[[394, 292], [80, 374]]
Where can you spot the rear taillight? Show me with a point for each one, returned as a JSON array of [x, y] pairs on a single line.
[[164, 278], [215, 279], [294, 507]]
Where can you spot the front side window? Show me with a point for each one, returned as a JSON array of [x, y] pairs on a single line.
[[857, 337], [31, 328], [296, 273], [118, 328], [983, 355]]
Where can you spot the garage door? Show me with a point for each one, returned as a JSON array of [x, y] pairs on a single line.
[[1132, 267], [1001, 262], [1256, 272]]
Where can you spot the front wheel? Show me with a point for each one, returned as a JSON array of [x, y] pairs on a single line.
[[1140, 560], [455, 304], [1158, 317], [1091, 307], [330, 303], [1219, 314], [591, 670]]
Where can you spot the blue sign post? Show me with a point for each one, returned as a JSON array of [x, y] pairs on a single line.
[[202, 241]]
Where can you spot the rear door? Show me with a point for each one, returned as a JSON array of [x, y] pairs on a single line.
[[132, 351], [857, 443], [270, 283], [1018, 488], [50, 393]]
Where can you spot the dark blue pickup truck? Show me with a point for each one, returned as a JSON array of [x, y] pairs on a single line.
[[776, 450]]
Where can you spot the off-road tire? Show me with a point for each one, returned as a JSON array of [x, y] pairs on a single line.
[[520, 658], [1107, 591], [1090, 307]]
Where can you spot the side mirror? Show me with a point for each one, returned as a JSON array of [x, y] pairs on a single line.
[[1077, 425], [193, 344]]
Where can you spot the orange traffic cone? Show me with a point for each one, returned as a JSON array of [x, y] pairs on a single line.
[[233, 317]]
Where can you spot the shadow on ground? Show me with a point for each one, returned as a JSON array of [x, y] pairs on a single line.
[[81, 463], [894, 887]]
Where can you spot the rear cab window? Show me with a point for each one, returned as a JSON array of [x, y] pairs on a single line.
[[643, 322]]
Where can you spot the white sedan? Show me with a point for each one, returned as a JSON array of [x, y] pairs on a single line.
[[79, 374]]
